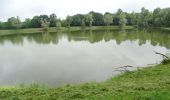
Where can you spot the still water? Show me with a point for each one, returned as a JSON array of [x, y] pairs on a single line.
[[74, 57]]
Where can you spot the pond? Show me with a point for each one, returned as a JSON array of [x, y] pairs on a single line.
[[74, 57]]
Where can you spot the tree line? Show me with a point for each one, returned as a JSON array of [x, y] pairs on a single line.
[[145, 18]]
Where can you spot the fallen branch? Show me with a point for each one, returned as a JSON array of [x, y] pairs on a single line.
[[164, 56], [127, 66], [123, 68]]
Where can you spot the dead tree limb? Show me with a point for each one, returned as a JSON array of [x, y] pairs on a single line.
[[164, 56], [123, 68]]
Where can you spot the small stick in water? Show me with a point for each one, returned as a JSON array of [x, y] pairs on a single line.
[[164, 56]]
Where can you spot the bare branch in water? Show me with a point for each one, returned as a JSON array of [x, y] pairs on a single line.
[[164, 56], [123, 68]]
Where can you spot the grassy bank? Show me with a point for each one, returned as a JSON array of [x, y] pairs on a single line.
[[165, 28], [152, 83], [62, 29]]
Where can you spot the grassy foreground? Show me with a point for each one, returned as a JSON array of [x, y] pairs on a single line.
[[62, 29], [152, 83]]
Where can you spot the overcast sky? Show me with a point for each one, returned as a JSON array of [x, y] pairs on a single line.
[[62, 8]]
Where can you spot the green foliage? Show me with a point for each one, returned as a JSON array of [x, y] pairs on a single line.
[[145, 17], [89, 19], [158, 18], [77, 20], [119, 11], [122, 20], [69, 20], [36, 21], [44, 24], [27, 23], [14, 23], [130, 17], [64, 23], [166, 17], [83, 25], [165, 61], [108, 18], [98, 19], [136, 20], [58, 24], [53, 20], [166, 58], [0, 24]]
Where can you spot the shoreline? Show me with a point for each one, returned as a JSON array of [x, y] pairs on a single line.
[[65, 29], [149, 82], [53, 29]]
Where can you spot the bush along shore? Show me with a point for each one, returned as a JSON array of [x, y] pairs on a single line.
[[150, 83]]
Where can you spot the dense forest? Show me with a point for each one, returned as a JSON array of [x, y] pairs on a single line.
[[156, 18]]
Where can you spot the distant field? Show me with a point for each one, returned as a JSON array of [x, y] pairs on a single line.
[[165, 28], [53, 29]]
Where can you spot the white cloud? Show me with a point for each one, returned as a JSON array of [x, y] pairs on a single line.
[[29, 8]]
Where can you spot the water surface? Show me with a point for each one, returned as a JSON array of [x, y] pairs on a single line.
[[74, 57]]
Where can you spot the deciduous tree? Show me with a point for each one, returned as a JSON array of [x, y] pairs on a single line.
[[108, 18], [69, 20]]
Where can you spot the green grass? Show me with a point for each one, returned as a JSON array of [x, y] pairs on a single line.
[[151, 83], [165, 28], [53, 29]]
